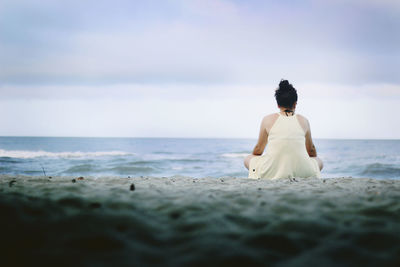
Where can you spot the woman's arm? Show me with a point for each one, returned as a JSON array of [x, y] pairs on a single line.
[[312, 152], [262, 139]]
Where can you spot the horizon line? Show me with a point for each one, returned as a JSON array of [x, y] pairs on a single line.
[[163, 137]]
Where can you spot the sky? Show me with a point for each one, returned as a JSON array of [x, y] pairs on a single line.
[[205, 68]]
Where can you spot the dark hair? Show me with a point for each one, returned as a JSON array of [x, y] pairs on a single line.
[[286, 94]]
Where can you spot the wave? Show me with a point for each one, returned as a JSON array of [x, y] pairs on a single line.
[[9, 160], [83, 168], [117, 170], [234, 155], [185, 160], [379, 169], [131, 169], [27, 154]]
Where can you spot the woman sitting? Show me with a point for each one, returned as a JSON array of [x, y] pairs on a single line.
[[290, 152]]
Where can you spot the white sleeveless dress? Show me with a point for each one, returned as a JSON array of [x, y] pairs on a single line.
[[286, 154]]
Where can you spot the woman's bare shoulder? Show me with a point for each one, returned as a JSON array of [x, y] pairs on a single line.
[[269, 120], [301, 117], [303, 122], [270, 117]]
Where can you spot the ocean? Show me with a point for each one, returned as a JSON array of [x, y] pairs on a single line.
[[166, 157]]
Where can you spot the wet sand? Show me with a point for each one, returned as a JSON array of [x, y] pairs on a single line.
[[182, 221]]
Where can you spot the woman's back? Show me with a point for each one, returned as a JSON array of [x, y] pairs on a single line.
[[286, 155]]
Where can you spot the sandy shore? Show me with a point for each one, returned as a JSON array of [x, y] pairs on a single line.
[[181, 221]]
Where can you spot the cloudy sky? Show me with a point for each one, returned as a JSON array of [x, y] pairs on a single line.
[[205, 68]]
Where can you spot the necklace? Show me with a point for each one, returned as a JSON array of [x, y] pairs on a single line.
[[288, 111]]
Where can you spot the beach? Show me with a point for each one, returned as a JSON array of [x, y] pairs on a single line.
[[184, 221]]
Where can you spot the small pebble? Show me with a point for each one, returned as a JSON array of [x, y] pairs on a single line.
[[73, 180], [11, 183], [80, 178], [129, 177], [50, 177], [132, 188]]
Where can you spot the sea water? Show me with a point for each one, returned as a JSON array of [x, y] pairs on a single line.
[[166, 157]]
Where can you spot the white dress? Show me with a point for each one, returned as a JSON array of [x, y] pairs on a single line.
[[286, 154]]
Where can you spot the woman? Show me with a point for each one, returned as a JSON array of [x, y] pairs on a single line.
[[291, 152]]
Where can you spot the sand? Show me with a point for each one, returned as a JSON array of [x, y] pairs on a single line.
[[182, 221]]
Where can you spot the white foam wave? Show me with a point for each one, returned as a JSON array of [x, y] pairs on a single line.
[[177, 168], [26, 154], [235, 155]]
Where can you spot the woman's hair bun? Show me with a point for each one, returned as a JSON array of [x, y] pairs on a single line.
[[286, 94], [284, 85]]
